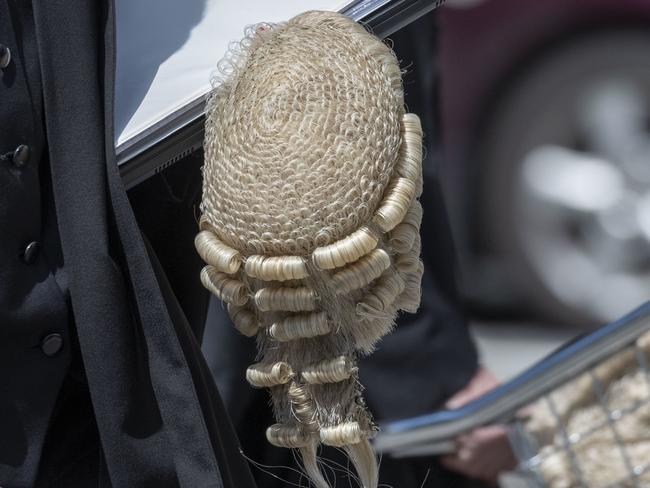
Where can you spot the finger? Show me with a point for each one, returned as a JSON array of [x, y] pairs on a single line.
[[463, 467], [458, 400], [482, 382], [454, 463], [462, 397]]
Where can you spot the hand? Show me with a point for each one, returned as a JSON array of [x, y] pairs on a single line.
[[485, 452]]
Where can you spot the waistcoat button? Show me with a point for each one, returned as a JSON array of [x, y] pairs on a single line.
[[5, 56], [51, 344], [31, 252], [21, 156]]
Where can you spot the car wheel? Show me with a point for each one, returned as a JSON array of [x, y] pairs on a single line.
[[564, 180]]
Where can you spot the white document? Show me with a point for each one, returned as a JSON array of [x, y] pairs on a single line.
[[167, 51]]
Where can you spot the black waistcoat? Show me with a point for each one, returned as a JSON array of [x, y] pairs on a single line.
[[34, 308], [159, 419]]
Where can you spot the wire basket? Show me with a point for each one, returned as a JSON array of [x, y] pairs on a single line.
[[579, 418], [601, 439]]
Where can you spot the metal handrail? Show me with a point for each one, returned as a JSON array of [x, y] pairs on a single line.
[[432, 432]]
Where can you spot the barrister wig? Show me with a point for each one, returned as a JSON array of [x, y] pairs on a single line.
[[310, 219], [605, 415]]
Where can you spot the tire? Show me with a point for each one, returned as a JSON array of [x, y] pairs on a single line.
[[545, 107]]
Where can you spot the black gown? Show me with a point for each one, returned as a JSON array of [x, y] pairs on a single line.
[[102, 382]]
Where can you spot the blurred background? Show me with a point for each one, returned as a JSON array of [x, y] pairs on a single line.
[[545, 122], [545, 119], [545, 116]]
